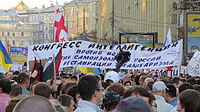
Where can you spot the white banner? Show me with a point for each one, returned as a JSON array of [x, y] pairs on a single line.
[[90, 54], [193, 67]]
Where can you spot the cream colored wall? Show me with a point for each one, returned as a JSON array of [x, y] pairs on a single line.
[[135, 16]]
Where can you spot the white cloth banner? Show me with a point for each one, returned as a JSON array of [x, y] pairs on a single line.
[[193, 67], [91, 54]]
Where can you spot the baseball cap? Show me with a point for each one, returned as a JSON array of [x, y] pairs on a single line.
[[159, 86], [133, 104], [112, 75]]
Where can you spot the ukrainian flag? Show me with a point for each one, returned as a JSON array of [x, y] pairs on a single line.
[[5, 60], [86, 70]]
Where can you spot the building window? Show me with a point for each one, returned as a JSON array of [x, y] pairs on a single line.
[[22, 34], [13, 34], [2, 33], [8, 33]]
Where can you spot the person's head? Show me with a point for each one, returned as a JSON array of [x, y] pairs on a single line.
[[111, 100], [13, 102], [137, 78], [15, 72], [42, 89], [138, 92], [15, 90], [32, 86], [23, 79], [150, 85], [152, 102], [127, 83], [196, 87], [34, 104], [65, 77], [74, 92], [191, 80], [176, 81], [170, 92], [159, 88], [66, 101], [90, 89], [57, 105], [74, 78], [66, 87], [189, 101], [54, 83], [148, 80], [184, 87], [142, 79], [5, 86], [116, 88], [133, 104]]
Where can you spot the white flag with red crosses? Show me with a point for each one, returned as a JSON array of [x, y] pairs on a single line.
[[61, 32]]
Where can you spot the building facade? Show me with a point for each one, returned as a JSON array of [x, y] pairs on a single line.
[[80, 17], [135, 16]]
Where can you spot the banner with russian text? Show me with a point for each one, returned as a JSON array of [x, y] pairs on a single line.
[[80, 53]]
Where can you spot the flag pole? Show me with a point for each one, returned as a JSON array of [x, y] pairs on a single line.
[[54, 67]]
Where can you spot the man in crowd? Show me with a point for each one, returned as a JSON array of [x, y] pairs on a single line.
[[91, 93], [23, 81]]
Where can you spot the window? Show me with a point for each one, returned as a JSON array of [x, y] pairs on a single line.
[[2, 33], [13, 34], [13, 42], [22, 34], [8, 33]]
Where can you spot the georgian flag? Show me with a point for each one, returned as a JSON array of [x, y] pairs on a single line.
[[61, 32]]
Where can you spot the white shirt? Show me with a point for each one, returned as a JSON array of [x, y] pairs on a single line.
[[86, 106], [163, 106]]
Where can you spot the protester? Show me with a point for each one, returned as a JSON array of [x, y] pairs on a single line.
[[189, 101], [15, 90], [34, 104], [57, 105], [171, 95], [91, 94], [23, 81], [12, 103], [5, 87], [133, 104], [110, 101], [42, 89], [74, 92], [142, 80], [159, 90], [116, 88], [67, 101]]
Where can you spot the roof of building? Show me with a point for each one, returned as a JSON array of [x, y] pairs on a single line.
[[73, 3], [21, 5]]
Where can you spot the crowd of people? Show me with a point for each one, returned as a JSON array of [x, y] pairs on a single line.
[[135, 92]]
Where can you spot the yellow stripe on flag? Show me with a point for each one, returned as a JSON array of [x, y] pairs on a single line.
[[86, 70], [5, 66]]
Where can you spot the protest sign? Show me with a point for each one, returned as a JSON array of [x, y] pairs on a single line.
[[193, 67], [18, 55], [90, 54]]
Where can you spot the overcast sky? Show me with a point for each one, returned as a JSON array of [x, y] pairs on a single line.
[[7, 4]]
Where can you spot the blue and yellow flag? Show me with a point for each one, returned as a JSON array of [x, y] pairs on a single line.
[[86, 70], [5, 60]]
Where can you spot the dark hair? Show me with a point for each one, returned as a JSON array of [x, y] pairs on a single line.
[[116, 88], [16, 90], [22, 77], [175, 80], [73, 91], [5, 84], [13, 102], [87, 86], [127, 82], [15, 72], [196, 87], [42, 89], [191, 80], [65, 100], [74, 78], [150, 85], [184, 86], [111, 100], [137, 77], [66, 87], [171, 91], [138, 90], [190, 100]]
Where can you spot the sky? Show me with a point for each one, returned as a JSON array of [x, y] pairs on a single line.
[[7, 4]]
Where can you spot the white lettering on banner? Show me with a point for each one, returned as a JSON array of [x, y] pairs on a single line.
[[193, 65], [90, 54]]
